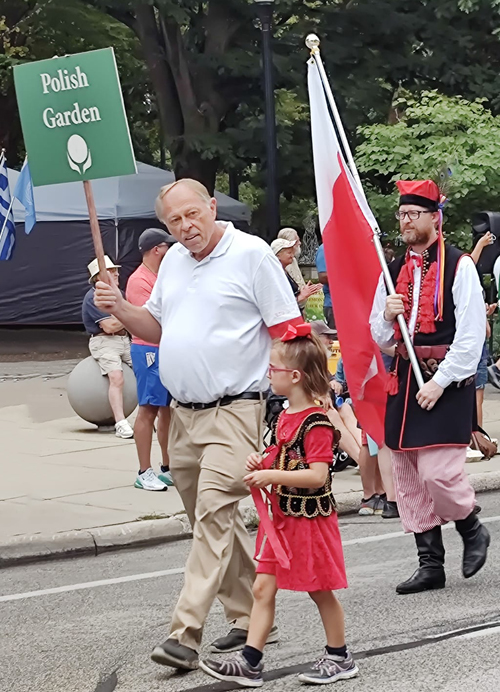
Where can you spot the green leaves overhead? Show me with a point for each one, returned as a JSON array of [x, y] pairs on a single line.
[[434, 131]]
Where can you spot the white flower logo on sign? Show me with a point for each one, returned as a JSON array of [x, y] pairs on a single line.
[[78, 154]]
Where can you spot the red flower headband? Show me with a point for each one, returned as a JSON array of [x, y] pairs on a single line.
[[297, 331]]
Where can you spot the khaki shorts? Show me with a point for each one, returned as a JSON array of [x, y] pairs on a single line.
[[109, 351]]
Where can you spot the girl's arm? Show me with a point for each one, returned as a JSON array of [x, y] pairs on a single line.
[[313, 477], [318, 445]]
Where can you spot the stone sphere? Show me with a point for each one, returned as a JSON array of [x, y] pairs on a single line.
[[88, 392]]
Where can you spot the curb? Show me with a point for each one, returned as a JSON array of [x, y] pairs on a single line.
[[39, 547]]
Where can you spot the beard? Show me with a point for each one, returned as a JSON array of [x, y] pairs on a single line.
[[416, 236]]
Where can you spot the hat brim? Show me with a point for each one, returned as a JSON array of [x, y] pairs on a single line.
[[115, 266]]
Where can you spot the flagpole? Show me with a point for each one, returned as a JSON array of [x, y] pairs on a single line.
[[12, 197], [6, 219], [313, 42]]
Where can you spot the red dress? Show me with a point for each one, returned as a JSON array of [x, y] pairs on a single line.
[[315, 547]]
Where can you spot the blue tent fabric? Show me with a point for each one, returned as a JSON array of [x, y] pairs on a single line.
[[46, 279]]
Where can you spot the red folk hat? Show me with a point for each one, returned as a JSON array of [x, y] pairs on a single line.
[[424, 193]]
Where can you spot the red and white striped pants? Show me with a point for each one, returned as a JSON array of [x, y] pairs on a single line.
[[432, 487]]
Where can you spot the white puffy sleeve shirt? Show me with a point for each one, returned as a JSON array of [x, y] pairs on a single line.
[[462, 359]]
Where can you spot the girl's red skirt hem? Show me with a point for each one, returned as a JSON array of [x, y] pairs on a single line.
[[317, 559]]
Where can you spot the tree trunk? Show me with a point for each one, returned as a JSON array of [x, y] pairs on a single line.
[[189, 164], [167, 100]]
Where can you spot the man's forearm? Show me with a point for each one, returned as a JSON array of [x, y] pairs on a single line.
[[139, 322]]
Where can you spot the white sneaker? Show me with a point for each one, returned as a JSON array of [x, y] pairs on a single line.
[[149, 481], [474, 454], [166, 477], [123, 429]]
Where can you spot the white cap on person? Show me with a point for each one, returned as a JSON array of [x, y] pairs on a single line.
[[281, 244], [93, 267]]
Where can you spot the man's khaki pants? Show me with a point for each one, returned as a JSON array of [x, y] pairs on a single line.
[[208, 450]]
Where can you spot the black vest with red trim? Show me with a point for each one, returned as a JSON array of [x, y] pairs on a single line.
[[407, 425]]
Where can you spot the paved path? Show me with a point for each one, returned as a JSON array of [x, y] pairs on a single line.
[[89, 624], [59, 474]]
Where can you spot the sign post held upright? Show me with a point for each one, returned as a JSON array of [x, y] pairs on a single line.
[[74, 124]]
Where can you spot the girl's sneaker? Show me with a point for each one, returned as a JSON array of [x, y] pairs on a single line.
[[330, 669], [234, 669]]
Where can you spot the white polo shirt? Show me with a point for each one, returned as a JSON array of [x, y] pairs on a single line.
[[214, 316]]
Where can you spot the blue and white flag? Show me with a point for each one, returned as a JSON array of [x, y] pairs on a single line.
[[24, 193], [7, 227]]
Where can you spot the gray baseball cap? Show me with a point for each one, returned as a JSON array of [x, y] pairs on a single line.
[[152, 237], [319, 328]]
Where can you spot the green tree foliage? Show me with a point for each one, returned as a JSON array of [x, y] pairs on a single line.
[[192, 77], [31, 30], [434, 131]]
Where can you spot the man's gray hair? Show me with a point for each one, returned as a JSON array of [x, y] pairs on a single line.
[[288, 234], [195, 185]]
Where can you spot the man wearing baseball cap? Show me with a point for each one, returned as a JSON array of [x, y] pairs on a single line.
[[109, 345], [153, 398]]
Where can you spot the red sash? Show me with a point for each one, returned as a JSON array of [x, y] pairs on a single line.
[[271, 528]]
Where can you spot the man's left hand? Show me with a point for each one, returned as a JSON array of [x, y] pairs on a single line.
[[429, 394]]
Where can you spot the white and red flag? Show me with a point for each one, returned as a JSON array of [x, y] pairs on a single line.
[[352, 264]]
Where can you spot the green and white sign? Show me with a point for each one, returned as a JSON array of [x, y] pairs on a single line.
[[73, 118]]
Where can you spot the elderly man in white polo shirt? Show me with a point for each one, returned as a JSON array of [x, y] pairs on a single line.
[[220, 298]]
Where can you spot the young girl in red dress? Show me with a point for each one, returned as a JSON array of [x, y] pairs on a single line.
[[300, 548]]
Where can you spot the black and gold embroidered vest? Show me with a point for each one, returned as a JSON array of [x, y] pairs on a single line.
[[407, 425], [303, 502]]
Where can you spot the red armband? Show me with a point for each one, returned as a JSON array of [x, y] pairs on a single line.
[[277, 330]]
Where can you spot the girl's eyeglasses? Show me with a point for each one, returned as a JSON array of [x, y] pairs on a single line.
[[272, 369]]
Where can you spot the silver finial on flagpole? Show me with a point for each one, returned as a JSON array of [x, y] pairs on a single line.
[[312, 42]]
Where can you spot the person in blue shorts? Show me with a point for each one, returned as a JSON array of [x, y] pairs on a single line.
[[154, 399]]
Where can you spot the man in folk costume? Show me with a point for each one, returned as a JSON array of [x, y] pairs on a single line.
[[428, 429]]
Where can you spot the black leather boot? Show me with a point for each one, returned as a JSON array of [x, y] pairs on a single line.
[[430, 574], [476, 538]]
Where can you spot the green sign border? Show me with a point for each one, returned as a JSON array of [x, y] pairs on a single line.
[[80, 95]]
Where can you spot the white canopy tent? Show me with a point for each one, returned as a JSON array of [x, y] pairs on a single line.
[[123, 197]]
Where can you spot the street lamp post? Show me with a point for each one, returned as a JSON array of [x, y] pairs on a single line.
[[265, 13]]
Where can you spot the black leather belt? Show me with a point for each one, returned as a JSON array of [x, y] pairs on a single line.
[[224, 401]]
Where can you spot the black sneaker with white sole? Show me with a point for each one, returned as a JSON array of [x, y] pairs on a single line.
[[329, 669], [234, 669], [175, 655], [236, 639]]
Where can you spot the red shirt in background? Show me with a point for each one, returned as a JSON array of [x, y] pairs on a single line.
[[139, 288]]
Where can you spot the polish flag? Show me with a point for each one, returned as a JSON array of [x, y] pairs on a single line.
[[353, 267]]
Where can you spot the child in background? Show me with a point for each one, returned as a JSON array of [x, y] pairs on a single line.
[[303, 549]]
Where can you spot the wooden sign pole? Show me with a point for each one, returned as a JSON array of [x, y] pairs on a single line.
[[96, 231]]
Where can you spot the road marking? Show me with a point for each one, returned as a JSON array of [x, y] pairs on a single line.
[[180, 570], [400, 534], [279, 673], [374, 539], [480, 633], [91, 584]]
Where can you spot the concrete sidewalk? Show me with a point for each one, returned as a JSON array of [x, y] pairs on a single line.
[[60, 475]]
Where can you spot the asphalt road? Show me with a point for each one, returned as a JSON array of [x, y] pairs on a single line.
[[89, 624]]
